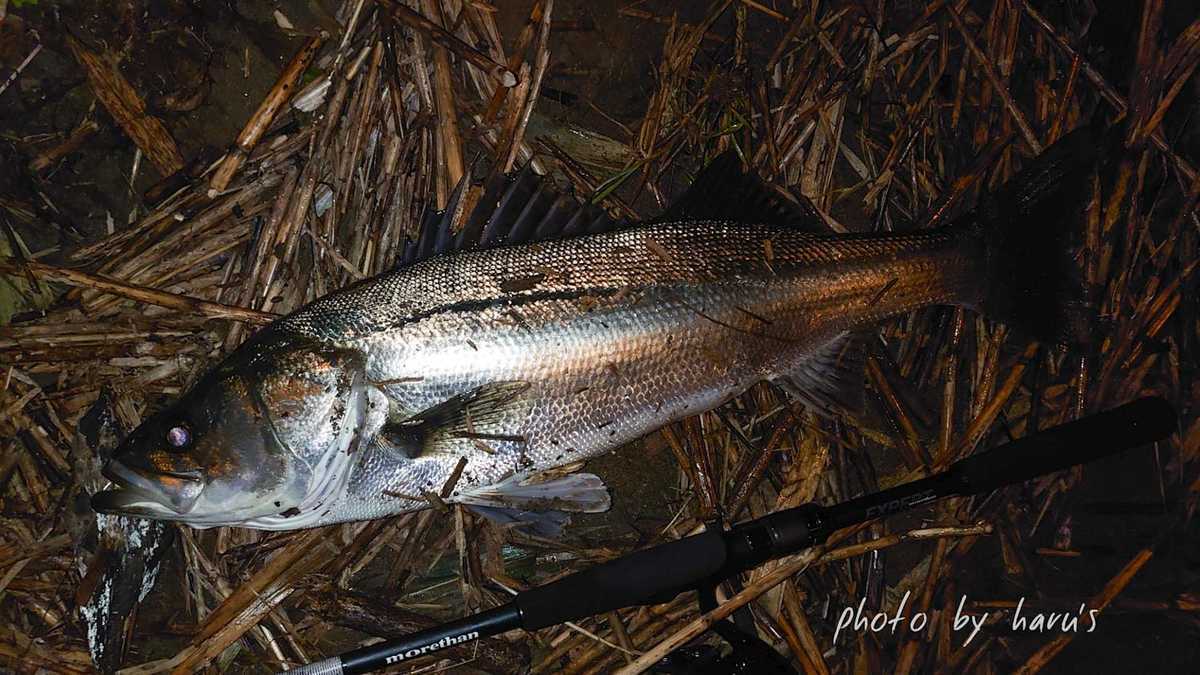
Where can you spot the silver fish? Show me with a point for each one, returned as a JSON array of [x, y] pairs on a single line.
[[523, 357]]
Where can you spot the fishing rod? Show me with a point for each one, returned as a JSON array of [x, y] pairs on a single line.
[[658, 574]]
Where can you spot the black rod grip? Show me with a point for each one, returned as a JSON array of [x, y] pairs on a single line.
[[1143, 421], [636, 579]]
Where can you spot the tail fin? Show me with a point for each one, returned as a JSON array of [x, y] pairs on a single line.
[[1032, 227]]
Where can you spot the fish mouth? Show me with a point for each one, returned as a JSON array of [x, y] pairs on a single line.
[[136, 492]]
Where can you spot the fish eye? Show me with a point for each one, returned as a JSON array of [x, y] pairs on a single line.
[[178, 436]]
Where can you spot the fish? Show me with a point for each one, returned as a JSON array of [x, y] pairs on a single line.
[[520, 344]]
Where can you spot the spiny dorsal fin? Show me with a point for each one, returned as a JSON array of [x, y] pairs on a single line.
[[722, 191], [513, 209], [831, 380], [524, 207]]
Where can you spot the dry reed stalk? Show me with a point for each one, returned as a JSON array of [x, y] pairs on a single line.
[[139, 293], [128, 109], [279, 94], [503, 76], [252, 600], [75, 140], [1110, 591], [528, 95]]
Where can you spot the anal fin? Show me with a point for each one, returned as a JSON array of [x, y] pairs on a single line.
[[830, 380], [575, 492]]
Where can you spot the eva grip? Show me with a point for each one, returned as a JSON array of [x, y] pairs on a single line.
[[635, 579], [1143, 421]]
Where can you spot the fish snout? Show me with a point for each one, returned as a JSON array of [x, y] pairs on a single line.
[[146, 492]]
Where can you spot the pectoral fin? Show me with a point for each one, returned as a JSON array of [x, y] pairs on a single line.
[[479, 420]]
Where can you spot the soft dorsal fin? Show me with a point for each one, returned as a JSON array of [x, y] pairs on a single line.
[[722, 191]]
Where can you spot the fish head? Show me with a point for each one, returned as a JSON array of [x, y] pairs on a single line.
[[258, 437]]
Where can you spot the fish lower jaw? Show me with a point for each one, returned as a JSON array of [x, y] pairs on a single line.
[[124, 502]]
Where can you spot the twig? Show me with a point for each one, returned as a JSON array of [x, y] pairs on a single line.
[[989, 69], [12, 77], [1043, 656], [1106, 90]]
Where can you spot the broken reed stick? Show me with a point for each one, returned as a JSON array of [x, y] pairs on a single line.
[[255, 598], [128, 109], [622, 635], [183, 303], [450, 140], [13, 553], [529, 96], [907, 654], [1106, 90], [71, 143], [1041, 657], [16, 73], [516, 59], [644, 624], [749, 479], [915, 454], [503, 76], [950, 388], [262, 118], [990, 411], [1144, 84], [810, 652], [699, 481], [794, 565], [635, 13]]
